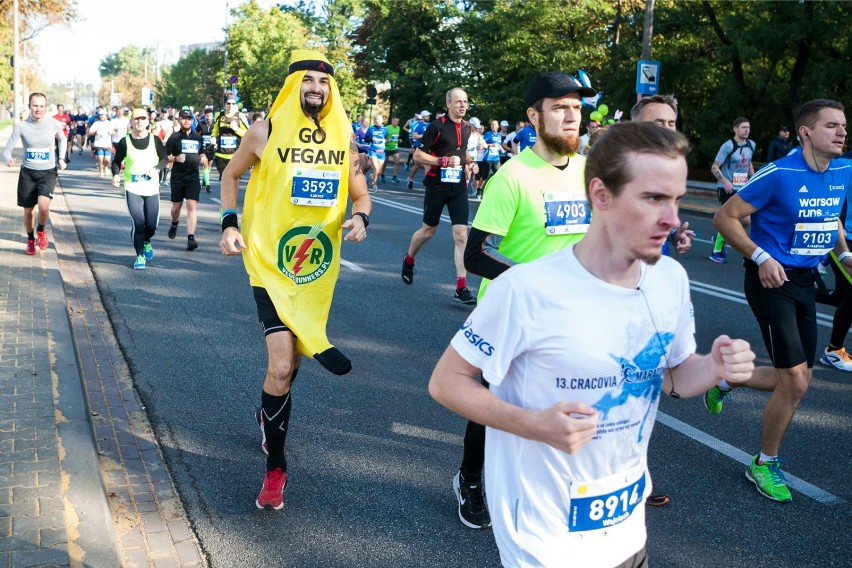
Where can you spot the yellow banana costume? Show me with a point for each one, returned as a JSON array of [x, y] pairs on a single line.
[[295, 203]]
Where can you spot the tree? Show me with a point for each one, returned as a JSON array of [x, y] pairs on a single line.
[[259, 46], [129, 59], [196, 80]]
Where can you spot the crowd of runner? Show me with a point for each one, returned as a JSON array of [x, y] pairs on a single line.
[[567, 411]]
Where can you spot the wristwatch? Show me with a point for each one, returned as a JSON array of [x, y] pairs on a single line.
[[363, 216]]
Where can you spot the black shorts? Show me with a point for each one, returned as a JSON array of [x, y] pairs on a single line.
[[440, 194], [486, 169], [392, 152], [266, 313], [33, 184], [185, 190], [723, 196], [786, 315]]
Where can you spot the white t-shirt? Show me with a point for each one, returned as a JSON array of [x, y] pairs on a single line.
[[120, 124], [549, 331], [584, 141], [101, 130]]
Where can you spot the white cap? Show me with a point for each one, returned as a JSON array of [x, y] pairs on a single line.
[[425, 113], [475, 122], [504, 123]]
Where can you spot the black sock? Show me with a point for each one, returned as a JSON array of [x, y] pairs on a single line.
[[175, 223], [39, 228], [30, 235], [191, 237], [276, 419], [474, 452]]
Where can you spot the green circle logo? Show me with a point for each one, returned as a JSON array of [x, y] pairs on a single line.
[[304, 254]]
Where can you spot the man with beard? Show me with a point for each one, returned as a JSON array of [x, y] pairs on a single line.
[[444, 153], [518, 221], [576, 377], [305, 166], [229, 127]]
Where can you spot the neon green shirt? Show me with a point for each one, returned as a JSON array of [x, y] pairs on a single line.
[[393, 137], [515, 202]]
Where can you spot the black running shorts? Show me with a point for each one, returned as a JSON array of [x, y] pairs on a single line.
[[723, 195], [185, 190], [266, 313], [786, 315], [33, 184], [453, 196]]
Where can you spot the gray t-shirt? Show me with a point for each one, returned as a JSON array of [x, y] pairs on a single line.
[[735, 161], [38, 140]]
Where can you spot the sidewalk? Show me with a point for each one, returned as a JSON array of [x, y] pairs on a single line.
[[82, 480]]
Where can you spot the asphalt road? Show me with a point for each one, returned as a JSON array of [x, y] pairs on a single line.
[[372, 456]]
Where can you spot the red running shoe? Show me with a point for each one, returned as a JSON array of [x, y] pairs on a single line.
[[272, 492], [30, 246], [42, 240]]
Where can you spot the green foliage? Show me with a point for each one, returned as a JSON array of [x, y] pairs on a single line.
[[129, 59], [259, 46], [195, 80]]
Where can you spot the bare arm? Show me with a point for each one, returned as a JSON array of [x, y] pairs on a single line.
[[361, 202], [729, 359], [424, 159], [455, 386], [249, 152], [716, 169]]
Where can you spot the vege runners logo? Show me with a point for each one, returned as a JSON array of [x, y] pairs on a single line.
[[305, 253]]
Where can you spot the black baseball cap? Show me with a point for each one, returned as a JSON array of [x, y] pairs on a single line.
[[555, 84], [185, 114]]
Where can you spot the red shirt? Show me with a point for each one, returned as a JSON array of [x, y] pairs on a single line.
[[65, 119]]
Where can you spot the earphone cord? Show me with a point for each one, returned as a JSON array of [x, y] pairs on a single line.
[[673, 393]]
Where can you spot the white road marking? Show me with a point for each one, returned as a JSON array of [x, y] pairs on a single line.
[[351, 265], [427, 434]]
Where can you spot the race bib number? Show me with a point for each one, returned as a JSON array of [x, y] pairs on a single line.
[[315, 188], [596, 506], [228, 142], [564, 214], [189, 146], [39, 155], [493, 151], [205, 139], [451, 175], [740, 180], [139, 178], [814, 238], [394, 137]]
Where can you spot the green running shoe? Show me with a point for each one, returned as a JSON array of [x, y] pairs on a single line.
[[148, 250], [769, 480], [714, 398]]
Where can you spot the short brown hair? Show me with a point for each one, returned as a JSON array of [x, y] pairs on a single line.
[[739, 120], [607, 160], [42, 95], [809, 112], [654, 99]]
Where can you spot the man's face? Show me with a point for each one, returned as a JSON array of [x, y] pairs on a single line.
[[208, 114], [140, 124], [425, 118], [784, 133], [60, 109], [660, 114], [395, 121], [829, 133], [558, 124], [186, 122], [495, 126], [742, 130], [79, 110], [457, 105], [592, 127], [314, 92], [646, 210], [38, 105], [231, 107]]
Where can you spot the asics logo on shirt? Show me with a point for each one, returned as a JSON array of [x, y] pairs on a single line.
[[476, 339]]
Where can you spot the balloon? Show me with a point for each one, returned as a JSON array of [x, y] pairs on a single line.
[[596, 116], [603, 109]]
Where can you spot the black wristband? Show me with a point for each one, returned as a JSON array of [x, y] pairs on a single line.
[[363, 216], [230, 221]]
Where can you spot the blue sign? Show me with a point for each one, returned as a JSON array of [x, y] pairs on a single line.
[[233, 79], [647, 77]]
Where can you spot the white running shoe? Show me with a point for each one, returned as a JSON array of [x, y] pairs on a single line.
[[839, 359]]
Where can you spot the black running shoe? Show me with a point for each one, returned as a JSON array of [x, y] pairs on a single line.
[[191, 244], [473, 510], [464, 296], [172, 231], [407, 273]]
